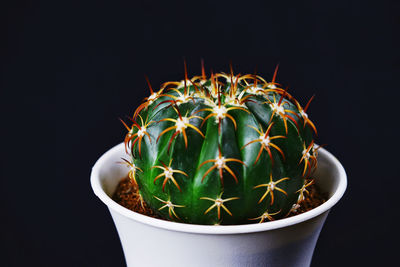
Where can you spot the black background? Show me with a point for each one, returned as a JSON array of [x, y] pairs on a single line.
[[69, 71]]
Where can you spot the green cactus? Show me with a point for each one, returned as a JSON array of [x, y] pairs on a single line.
[[223, 150]]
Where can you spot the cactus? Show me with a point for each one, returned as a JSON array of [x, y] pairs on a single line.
[[228, 149]]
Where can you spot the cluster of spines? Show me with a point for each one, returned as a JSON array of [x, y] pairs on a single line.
[[219, 103]]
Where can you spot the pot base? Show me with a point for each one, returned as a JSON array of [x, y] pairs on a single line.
[[151, 242]]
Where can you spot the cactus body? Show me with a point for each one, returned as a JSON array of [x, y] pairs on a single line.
[[224, 150]]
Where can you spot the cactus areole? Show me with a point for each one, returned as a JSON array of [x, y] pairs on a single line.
[[227, 149]]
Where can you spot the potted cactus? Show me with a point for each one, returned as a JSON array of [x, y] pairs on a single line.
[[227, 150]]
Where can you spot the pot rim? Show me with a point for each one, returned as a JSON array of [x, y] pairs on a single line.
[[218, 229]]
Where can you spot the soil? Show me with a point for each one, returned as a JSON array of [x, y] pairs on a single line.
[[127, 195]]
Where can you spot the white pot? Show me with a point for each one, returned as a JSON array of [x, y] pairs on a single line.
[[152, 242]]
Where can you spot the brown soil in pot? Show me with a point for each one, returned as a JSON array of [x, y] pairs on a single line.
[[127, 195]]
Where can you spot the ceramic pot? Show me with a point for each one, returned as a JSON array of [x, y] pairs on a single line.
[[152, 242]]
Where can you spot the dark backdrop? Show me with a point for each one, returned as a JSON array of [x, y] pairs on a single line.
[[69, 71]]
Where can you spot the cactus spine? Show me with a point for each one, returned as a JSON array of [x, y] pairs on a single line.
[[229, 149]]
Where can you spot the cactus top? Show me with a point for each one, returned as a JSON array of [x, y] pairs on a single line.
[[229, 149]]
